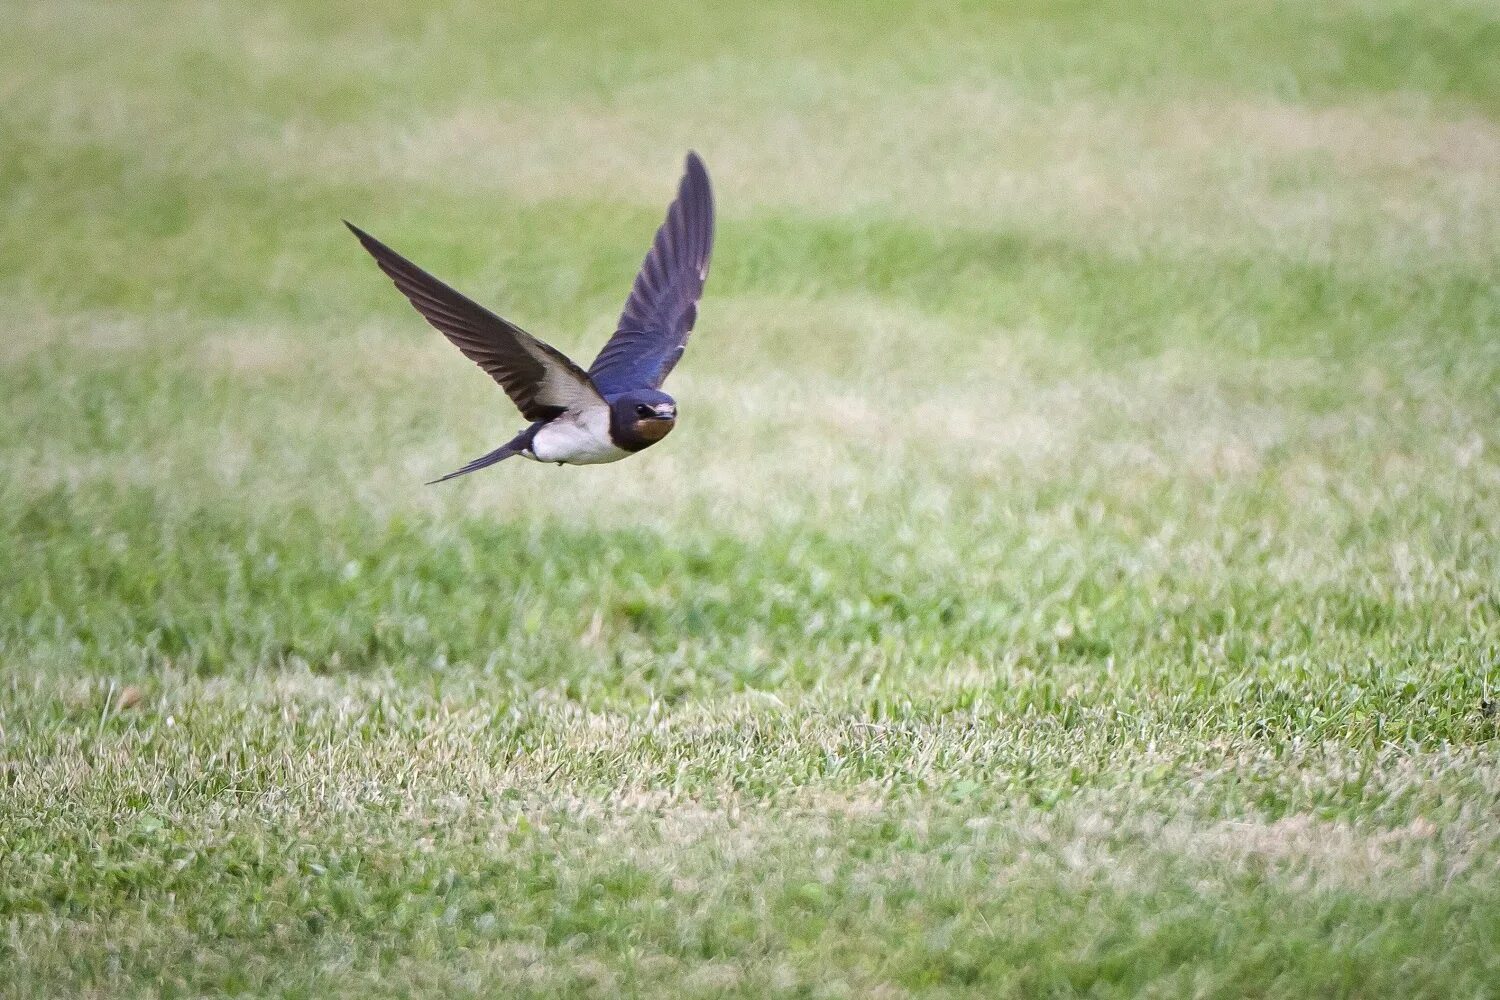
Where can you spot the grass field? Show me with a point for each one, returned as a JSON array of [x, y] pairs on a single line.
[[1075, 573]]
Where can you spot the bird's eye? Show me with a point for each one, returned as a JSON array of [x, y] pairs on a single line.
[[643, 410]]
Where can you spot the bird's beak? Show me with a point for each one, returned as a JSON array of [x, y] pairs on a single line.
[[665, 412]]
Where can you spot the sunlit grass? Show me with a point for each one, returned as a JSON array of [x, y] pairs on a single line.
[[1075, 571]]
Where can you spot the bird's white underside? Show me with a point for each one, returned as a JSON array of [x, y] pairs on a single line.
[[578, 437]]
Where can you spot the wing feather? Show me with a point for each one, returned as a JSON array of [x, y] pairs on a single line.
[[541, 380], [663, 304]]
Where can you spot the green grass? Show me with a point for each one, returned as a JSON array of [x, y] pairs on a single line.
[[1075, 572]]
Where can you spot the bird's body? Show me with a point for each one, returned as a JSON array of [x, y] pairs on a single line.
[[617, 407], [575, 439]]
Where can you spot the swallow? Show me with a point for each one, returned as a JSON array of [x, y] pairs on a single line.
[[614, 409]]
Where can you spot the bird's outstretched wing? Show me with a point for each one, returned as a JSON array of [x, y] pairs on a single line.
[[663, 304], [541, 380]]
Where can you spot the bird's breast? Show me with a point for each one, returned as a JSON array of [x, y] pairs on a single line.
[[577, 439]]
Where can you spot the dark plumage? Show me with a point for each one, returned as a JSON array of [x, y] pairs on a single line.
[[663, 304]]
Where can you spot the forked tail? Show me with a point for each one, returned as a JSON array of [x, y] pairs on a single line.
[[500, 454], [514, 446]]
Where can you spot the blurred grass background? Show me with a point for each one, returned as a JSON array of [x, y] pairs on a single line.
[[1075, 571]]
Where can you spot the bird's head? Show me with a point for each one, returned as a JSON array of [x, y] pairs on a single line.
[[644, 415]]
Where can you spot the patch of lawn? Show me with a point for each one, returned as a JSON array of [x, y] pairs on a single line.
[[1074, 574]]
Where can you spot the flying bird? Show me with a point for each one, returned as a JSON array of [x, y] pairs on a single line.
[[615, 408]]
